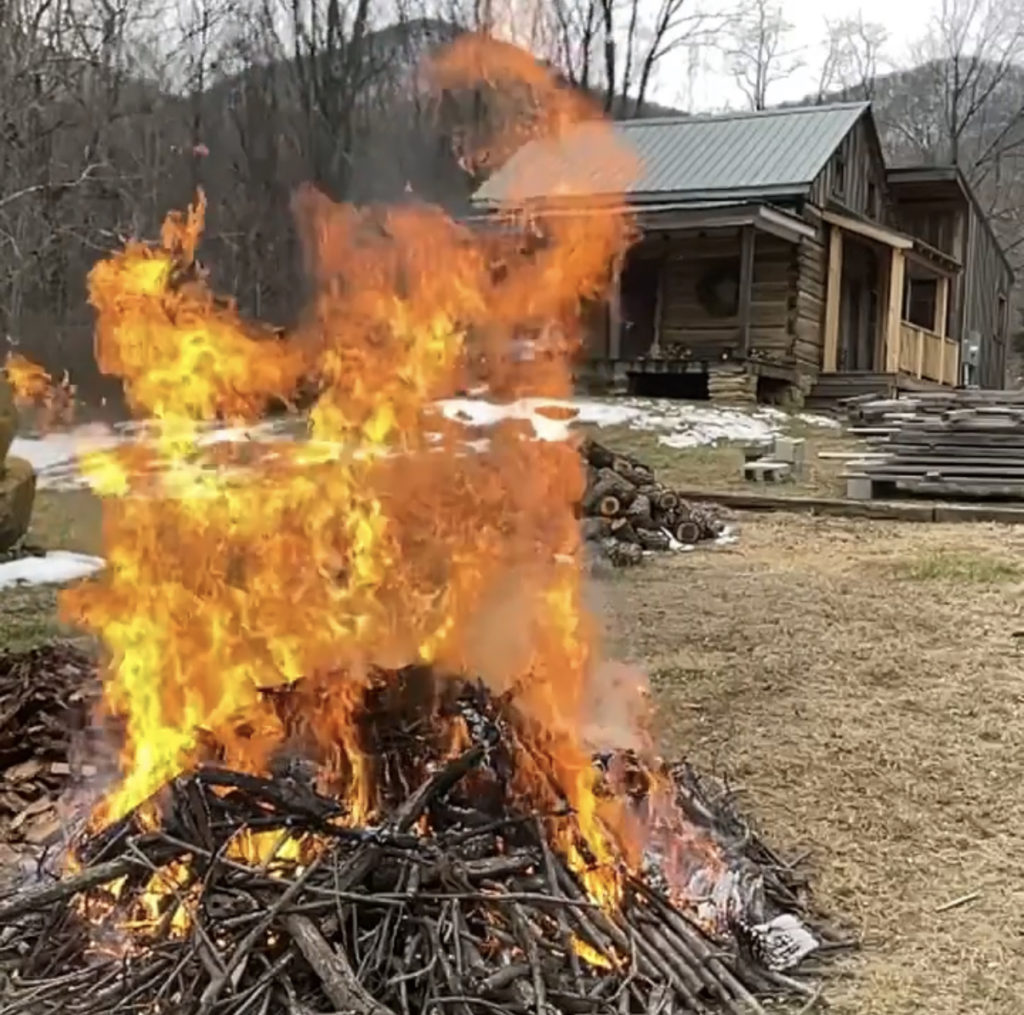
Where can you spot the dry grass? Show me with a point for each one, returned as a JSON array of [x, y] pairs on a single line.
[[861, 681], [719, 468], [60, 521]]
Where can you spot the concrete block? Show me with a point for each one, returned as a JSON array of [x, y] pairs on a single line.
[[791, 449], [859, 487]]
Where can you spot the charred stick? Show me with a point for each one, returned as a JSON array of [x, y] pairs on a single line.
[[563, 925], [486, 867], [41, 897], [437, 785], [529, 945], [213, 990], [340, 985]]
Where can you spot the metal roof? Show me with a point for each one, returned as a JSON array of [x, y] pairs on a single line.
[[738, 155]]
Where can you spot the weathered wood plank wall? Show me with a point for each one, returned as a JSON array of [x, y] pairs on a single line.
[[855, 176], [687, 325]]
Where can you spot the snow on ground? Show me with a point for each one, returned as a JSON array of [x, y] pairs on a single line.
[[678, 425], [55, 568], [681, 424]]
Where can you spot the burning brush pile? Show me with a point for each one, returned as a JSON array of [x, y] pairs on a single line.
[[474, 886], [627, 511], [351, 683]]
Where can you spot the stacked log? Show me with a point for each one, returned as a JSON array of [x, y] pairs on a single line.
[[627, 511]]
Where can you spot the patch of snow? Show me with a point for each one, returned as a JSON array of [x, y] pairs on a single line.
[[56, 568], [677, 424]]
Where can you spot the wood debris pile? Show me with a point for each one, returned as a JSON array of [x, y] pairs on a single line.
[[955, 443], [455, 900], [45, 695], [627, 511]]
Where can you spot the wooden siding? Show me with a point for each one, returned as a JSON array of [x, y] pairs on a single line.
[[944, 225], [861, 176], [942, 215], [688, 328], [985, 280]]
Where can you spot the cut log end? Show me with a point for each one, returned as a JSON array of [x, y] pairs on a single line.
[[688, 532], [609, 506]]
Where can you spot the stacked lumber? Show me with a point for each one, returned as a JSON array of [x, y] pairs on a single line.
[[962, 443], [627, 511], [45, 694]]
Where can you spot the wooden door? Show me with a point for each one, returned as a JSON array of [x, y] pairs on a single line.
[[640, 282]]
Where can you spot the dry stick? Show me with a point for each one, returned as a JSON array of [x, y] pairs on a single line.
[[340, 985], [595, 933], [695, 941], [563, 923], [961, 900], [216, 985], [529, 944], [41, 897]]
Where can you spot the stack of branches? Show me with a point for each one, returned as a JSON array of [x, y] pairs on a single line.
[[45, 694], [627, 511], [455, 902]]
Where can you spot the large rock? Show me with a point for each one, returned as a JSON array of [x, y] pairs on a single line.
[[17, 492], [8, 418]]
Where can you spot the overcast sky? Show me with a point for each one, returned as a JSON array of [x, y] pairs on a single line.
[[904, 20]]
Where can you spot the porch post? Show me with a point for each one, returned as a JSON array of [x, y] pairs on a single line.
[[659, 305], [894, 314], [833, 295], [941, 315], [746, 283], [615, 311], [941, 306]]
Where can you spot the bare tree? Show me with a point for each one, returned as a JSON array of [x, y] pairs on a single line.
[[617, 47], [973, 49], [853, 57], [758, 53]]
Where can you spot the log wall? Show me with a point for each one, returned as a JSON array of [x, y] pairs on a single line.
[[688, 328]]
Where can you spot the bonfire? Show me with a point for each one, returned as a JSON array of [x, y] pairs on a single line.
[[353, 679]]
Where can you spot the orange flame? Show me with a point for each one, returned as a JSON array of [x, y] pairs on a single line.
[[381, 541], [32, 385]]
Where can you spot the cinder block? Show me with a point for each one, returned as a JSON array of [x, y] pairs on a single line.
[[790, 449], [859, 487]]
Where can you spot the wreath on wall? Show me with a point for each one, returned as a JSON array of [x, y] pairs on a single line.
[[718, 289]]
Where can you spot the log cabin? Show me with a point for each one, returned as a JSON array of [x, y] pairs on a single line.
[[778, 258]]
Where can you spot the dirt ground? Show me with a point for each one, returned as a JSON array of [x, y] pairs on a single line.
[[863, 684]]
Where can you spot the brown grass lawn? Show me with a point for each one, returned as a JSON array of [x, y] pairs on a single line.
[[861, 682], [720, 467]]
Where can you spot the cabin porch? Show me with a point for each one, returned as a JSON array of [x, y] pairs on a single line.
[[887, 314]]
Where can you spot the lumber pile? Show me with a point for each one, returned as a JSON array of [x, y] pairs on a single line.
[[955, 443], [627, 512], [456, 898], [45, 695]]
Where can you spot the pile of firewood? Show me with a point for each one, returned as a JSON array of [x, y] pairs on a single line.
[[627, 511], [457, 898], [45, 694]]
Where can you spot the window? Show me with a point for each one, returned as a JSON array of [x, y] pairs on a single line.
[[839, 179], [872, 201], [922, 294]]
